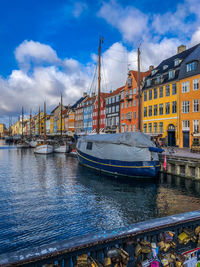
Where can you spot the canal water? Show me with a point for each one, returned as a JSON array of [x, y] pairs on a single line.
[[48, 198]]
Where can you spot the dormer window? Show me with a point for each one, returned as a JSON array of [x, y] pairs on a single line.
[[148, 82], [191, 66], [171, 74], [176, 62], [165, 67], [129, 82], [153, 72], [158, 79]]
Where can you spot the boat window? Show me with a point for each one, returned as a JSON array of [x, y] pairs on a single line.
[[89, 146]]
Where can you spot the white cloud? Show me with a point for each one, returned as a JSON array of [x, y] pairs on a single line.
[[131, 22], [195, 38], [30, 51]]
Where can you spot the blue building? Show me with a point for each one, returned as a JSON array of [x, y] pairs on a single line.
[[88, 113]]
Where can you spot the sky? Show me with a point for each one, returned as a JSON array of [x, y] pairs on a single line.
[[49, 47]]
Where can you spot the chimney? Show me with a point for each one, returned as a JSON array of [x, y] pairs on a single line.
[[93, 94], [181, 48], [84, 94], [151, 67]]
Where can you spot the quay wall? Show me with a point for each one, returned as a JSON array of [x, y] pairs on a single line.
[[187, 167]]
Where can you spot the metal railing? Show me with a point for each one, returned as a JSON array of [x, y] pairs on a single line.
[[65, 253]]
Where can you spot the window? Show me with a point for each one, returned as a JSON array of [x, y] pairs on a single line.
[[171, 74], [130, 102], [150, 127], [167, 108], [196, 105], [155, 93], [196, 126], [158, 79], [145, 95], [185, 87], [134, 91], [122, 105], [126, 104], [130, 91], [107, 101], [117, 108], [196, 84], [110, 108], [130, 128], [148, 82], [113, 99], [174, 107], [145, 128], [150, 111], [145, 111], [155, 127], [129, 82], [117, 120], [160, 127], [167, 90], [160, 109], [155, 110], [113, 109], [89, 146], [134, 103], [122, 116], [165, 67], [161, 92], [134, 115], [134, 128], [122, 95], [190, 66], [185, 125], [185, 107], [117, 98], [150, 94], [176, 62], [174, 89]]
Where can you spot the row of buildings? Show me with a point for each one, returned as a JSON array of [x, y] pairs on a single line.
[[169, 106]]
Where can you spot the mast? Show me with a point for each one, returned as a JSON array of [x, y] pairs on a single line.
[[30, 117], [45, 137], [61, 116], [22, 120], [39, 123], [99, 86], [139, 93]]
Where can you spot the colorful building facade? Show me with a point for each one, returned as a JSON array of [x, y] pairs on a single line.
[[102, 117]]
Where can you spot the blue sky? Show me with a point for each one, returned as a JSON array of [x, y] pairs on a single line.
[[50, 46]]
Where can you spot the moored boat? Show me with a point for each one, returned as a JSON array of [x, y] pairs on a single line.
[[129, 154], [33, 143], [61, 148], [43, 148]]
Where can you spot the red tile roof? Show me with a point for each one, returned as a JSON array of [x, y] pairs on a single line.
[[115, 92], [142, 74]]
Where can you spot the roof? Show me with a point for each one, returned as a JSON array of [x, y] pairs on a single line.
[[142, 74], [78, 102], [115, 92], [169, 63]]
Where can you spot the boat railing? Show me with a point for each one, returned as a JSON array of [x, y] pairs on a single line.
[[65, 253]]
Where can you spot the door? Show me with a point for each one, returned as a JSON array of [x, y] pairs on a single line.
[[186, 139], [171, 138]]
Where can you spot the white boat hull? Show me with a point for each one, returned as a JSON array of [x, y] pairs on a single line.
[[61, 149], [44, 149], [33, 143]]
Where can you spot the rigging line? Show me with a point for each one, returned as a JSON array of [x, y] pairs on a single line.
[[103, 68]]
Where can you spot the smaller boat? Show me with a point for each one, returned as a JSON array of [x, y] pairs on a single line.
[[61, 147], [23, 144], [43, 147], [33, 143]]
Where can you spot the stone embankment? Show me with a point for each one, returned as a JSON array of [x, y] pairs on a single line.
[[181, 162]]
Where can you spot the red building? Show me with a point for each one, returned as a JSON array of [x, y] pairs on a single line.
[[102, 113]]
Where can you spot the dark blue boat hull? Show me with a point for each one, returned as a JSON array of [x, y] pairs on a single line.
[[116, 167]]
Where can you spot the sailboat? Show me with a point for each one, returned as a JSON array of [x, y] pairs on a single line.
[[61, 146], [22, 143], [43, 146], [129, 154]]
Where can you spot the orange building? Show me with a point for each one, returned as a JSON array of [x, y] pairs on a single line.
[[189, 108], [102, 123], [129, 102]]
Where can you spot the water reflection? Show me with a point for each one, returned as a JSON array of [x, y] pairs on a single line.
[[47, 198]]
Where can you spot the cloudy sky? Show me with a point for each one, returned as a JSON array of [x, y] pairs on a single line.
[[50, 46]]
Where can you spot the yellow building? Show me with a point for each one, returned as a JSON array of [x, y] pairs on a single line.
[[2, 129], [161, 98]]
